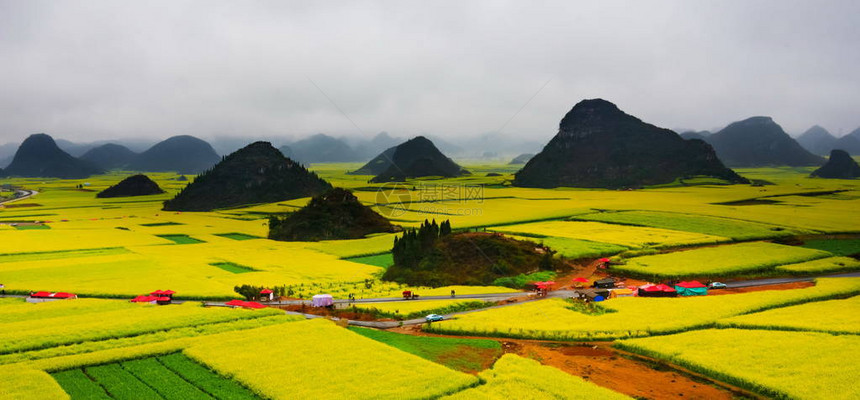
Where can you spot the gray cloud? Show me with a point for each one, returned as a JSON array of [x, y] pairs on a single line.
[[87, 70]]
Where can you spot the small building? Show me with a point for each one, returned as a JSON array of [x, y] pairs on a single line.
[[322, 300], [267, 293]]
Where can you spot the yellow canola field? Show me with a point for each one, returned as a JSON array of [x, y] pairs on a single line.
[[631, 316], [317, 359], [405, 307], [832, 316], [514, 377], [791, 365], [824, 265], [632, 236], [719, 261], [132, 319], [29, 384]]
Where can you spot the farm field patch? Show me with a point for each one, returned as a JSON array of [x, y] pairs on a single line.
[[840, 247], [156, 375], [316, 347], [552, 319], [466, 355], [719, 261], [822, 266], [514, 377], [629, 236], [802, 365], [725, 227], [131, 319], [831, 316]]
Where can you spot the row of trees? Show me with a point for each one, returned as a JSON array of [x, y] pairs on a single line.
[[415, 244]]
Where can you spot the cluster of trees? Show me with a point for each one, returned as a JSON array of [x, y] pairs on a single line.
[[250, 292], [415, 244], [434, 256]]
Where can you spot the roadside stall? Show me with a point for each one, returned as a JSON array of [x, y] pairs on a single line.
[[692, 288]]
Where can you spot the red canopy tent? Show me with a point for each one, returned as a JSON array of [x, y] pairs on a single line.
[[144, 299], [604, 260], [266, 291], [64, 295], [40, 294], [582, 280]]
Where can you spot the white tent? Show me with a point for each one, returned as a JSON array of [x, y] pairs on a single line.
[[322, 300]]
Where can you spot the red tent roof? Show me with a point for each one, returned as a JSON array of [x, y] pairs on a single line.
[[167, 292], [690, 285], [266, 291], [157, 292], [253, 304], [603, 259], [581, 280], [651, 288], [665, 288], [41, 294], [235, 303], [143, 299], [63, 295], [163, 299]]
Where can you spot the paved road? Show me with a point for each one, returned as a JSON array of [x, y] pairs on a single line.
[[558, 294], [27, 194], [779, 281]]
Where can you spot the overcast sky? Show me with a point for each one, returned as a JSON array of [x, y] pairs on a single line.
[[87, 70]]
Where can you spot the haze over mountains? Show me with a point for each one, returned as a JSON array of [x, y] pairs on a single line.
[[759, 141]]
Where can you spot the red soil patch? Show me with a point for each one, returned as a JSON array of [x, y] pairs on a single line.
[[604, 366]]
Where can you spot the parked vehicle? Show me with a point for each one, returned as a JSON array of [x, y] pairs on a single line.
[[434, 318], [717, 285]]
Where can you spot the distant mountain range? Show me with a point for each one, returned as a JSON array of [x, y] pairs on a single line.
[[257, 173], [181, 154], [850, 143], [840, 165], [817, 140], [110, 156], [414, 158], [758, 142], [39, 156], [600, 146]]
